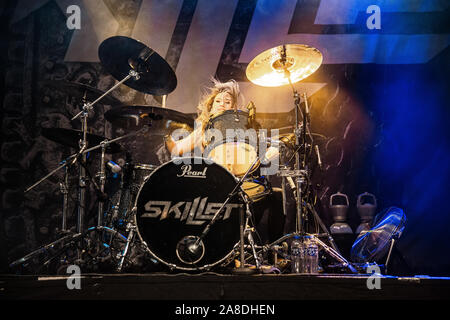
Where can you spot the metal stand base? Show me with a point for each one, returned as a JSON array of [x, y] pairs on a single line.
[[243, 271], [319, 243]]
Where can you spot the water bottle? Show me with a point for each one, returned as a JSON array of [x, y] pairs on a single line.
[[296, 255], [311, 256]]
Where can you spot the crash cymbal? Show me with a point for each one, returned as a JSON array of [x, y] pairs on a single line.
[[268, 70], [119, 55], [71, 138], [81, 91], [135, 116]]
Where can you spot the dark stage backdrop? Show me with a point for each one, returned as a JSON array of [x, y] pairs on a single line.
[[379, 102]]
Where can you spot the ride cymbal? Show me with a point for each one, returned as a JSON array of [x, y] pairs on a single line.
[[274, 67], [119, 55]]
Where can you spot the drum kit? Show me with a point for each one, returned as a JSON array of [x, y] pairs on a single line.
[[190, 213]]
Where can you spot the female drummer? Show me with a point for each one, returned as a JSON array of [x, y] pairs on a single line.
[[225, 96], [222, 97]]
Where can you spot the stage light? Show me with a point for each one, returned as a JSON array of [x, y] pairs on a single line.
[[339, 206], [366, 205]]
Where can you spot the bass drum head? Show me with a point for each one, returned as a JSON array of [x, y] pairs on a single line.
[[175, 204]]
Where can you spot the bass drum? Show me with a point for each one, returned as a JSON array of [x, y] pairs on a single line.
[[175, 204]]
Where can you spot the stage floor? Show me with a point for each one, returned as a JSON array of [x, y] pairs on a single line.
[[213, 286]]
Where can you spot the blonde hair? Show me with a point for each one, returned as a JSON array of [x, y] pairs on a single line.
[[204, 107]]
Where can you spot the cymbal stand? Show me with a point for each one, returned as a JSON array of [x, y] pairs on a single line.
[[248, 232], [301, 172], [89, 106], [102, 180], [64, 187], [74, 156], [131, 228], [82, 178], [297, 132], [83, 144]]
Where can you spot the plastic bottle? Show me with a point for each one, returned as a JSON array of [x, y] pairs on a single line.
[[311, 256], [296, 255]]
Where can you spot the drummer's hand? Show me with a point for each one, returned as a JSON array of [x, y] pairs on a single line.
[[170, 143], [271, 154]]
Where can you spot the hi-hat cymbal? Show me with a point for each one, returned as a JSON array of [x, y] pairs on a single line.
[[130, 117], [119, 55], [81, 91], [71, 138], [268, 69]]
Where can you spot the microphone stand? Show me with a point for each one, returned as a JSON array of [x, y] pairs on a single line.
[[242, 224]]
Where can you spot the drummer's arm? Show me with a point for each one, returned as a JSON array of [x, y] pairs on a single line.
[[271, 154], [179, 147]]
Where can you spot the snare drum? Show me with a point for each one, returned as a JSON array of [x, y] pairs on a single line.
[[231, 144], [175, 204]]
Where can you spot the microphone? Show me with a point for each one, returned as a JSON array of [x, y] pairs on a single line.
[[114, 167], [319, 161], [190, 249]]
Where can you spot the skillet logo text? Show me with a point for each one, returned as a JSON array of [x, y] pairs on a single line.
[[194, 213]]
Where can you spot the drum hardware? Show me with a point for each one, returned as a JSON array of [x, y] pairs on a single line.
[[155, 76], [145, 71], [248, 233], [80, 91], [64, 188], [286, 178], [67, 135], [245, 231], [138, 68], [134, 116], [131, 228], [42, 250], [285, 65], [71, 138]]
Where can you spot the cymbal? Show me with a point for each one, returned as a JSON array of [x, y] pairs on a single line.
[[119, 55], [80, 91], [267, 68], [134, 116], [71, 138]]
